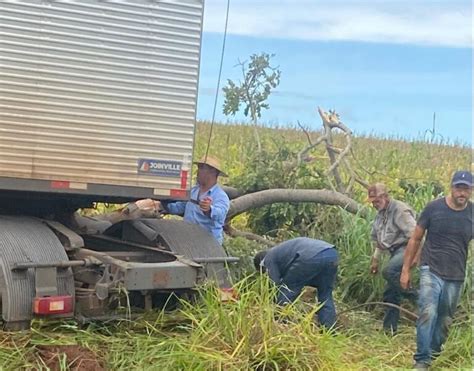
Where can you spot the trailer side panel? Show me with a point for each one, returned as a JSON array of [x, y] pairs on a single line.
[[99, 98]]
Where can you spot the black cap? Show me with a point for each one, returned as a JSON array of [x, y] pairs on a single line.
[[462, 177]]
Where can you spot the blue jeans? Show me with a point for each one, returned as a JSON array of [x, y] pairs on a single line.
[[437, 303], [319, 272], [393, 292]]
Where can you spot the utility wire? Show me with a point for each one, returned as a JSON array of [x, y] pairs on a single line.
[[218, 79]]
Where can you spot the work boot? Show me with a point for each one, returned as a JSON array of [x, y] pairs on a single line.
[[421, 366], [390, 331]]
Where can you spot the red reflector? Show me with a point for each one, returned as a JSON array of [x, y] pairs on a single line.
[[184, 178], [59, 184], [53, 305], [178, 193]]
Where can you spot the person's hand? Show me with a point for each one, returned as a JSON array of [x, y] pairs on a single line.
[[147, 207], [405, 280], [205, 204], [374, 266]]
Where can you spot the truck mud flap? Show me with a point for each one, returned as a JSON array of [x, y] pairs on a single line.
[[27, 240]]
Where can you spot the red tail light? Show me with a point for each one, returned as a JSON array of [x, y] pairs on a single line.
[[53, 305]]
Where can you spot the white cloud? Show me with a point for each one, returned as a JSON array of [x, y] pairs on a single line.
[[441, 23]]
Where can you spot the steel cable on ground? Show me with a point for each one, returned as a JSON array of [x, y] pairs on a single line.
[[218, 79], [413, 316]]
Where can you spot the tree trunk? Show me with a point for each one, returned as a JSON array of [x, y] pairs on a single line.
[[270, 196], [231, 192]]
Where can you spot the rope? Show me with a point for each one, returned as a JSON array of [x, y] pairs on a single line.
[[218, 79]]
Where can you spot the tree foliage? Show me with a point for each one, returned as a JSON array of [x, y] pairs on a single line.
[[259, 78], [268, 170]]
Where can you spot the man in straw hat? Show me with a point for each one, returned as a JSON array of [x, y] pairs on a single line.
[[391, 230], [208, 204], [448, 225]]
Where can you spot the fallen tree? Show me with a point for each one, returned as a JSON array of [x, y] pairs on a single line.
[[271, 196], [340, 176]]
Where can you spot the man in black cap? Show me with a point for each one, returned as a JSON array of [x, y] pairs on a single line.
[[448, 225]]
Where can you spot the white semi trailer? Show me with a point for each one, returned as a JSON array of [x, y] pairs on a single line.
[[97, 104]]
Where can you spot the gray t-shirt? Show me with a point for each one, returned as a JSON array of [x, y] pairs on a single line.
[[448, 235]]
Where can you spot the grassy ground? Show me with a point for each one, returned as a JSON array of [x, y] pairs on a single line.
[[247, 334]]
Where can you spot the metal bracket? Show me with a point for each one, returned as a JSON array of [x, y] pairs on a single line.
[[46, 282], [108, 280]]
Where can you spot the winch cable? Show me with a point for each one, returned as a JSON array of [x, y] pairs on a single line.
[[218, 79], [413, 316]]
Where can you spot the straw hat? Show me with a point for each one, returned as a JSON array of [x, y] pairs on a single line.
[[213, 162]]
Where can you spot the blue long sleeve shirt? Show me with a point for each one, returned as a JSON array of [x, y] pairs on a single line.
[[214, 222], [280, 257]]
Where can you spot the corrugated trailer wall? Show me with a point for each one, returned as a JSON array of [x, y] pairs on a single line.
[[98, 96]]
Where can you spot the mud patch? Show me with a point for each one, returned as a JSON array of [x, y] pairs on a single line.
[[76, 358]]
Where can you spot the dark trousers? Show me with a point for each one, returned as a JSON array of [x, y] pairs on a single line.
[[393, 292], [319, 272]]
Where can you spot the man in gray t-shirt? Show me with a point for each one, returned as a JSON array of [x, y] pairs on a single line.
[[449, 230]]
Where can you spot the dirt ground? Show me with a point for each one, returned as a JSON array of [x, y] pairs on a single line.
[[76, 357]]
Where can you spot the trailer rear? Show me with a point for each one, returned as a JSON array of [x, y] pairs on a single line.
[[97, 104]]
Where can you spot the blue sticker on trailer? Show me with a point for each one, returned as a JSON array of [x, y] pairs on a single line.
[[159, 167]]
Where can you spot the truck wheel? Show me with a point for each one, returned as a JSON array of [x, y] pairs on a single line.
[[13, 325]]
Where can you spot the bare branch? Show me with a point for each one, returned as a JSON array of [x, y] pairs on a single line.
[[328, 120], [231, 231], [354, 175], [362, 166], [341, 155], [305, 132], [302, 154], [342, 127]]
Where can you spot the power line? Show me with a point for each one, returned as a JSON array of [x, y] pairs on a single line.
[[218, 79]]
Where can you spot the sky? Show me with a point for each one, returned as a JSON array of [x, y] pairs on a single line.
[[389, 68]]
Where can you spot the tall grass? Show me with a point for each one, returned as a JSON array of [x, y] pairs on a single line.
[[251, 333]]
